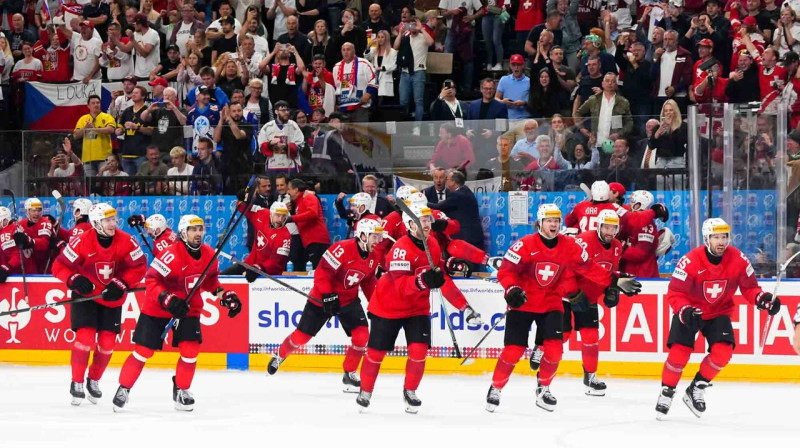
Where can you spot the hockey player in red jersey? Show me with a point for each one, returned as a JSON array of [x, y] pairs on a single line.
[[640, 237], [345, 267], [11, 250], [39, 230], [701, 297], [272, 241], [80, 211], [169, 279], [531, 275], [155, 226], [584, 215], [107, 261], [359, 209], [582, 302], [401, 300]]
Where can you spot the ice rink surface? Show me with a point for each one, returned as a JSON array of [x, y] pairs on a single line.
[[309, 409]]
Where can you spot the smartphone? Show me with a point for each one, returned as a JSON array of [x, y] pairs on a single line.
[[235, 56], [448, 85], [284, 47]]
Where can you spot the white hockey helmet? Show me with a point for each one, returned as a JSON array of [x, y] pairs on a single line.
[[547, 211], [155, 224], [418, 209], [404, 192], [713, 226], [32, 203], [367, 226], [642, 197], [417, 198], [359, 199], [278, 212], [5, 216], [600, 191], [98, 213], [609, 218], [81, 206], [189, 221]]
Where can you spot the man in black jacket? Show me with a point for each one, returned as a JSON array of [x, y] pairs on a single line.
[[743, 84], [438, 191], [461, 205], [638, 82]]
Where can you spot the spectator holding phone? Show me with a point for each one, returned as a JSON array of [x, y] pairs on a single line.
[[167, 121]]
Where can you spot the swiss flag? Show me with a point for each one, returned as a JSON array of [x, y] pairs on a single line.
[[104, 270], [713, 289], [546, 272], [190, 281], [352, 278]]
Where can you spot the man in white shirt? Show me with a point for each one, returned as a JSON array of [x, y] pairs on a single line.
[[146, 42], [260, 45], [610, 112], [177, 156], [183, 31], [86, 50], [118, 62], [355, 82], [279, 10]]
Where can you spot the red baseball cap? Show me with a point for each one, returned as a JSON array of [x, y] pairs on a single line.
[[159, 82], [517, 59], [87, 23], [617, 188], [705, 43], [750, 20]]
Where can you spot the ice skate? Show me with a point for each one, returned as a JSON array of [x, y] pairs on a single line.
[[695, 397], [536, 357], [120, 398], [351, 382], [274, 364], [93, 387], [412, 402], [544, 399], [493, 398], [664, 402], [76, 390], [363, 400], [473, 318], [184, 401], [594, 387]]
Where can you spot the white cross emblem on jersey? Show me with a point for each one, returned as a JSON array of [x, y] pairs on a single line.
[[547, 272], [714, 291], [106, 272], [260, 241], [353, 279], [191, 284], [527, 4]]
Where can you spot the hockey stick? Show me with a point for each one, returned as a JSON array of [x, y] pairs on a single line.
[[222, 242], [56, 228], [782, 271], [408, 211], [469, 355], [274, 279], [66, 302], [145, 240], [8, 192]]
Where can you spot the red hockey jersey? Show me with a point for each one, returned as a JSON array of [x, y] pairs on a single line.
[[343, 270], [11, 252], [641, 241], [699, 283], [79, 228], [584, 215], [270, 246], [539, 270], [607, 258], [310, 220], [84, 255], [41, 232], [397, 296], [176, 272], [163, 241]]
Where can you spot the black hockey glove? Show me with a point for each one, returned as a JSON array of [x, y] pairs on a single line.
[[330, 304], [136, 220], [231, 301], [662, 212], [4, 271], [351, 219], [251, 275], [625, 283], [23, 240], [430, 279], [611, 298], [453, 265], [172, 303], [691, 317], [516, 297], [379, 271], [115, 290], [57, 244], [770, 303], [579, 302], [80, 284], [288, 219], [439, 225]]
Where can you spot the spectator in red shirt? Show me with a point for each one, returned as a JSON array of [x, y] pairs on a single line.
[[771, 76], [55, 58], [453, 150], [310, 222]]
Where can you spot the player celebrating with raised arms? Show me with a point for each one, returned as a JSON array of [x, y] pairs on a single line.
[[107, 261], [170, 278], [156, 227], [272, 241], [345, 267], [401, 300], [531, 275], [701, 296]]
